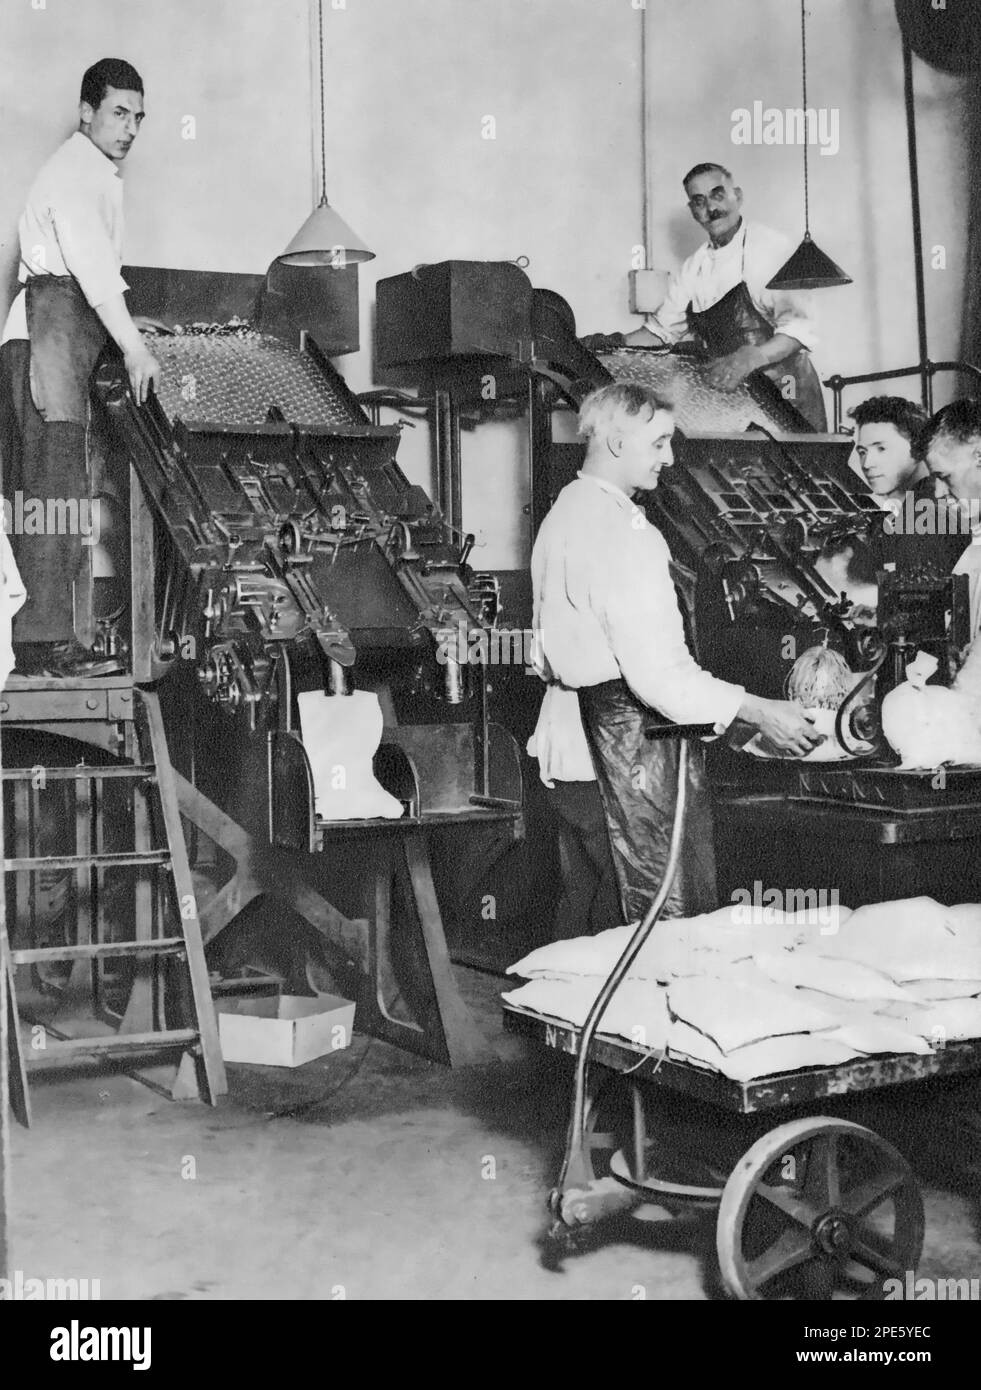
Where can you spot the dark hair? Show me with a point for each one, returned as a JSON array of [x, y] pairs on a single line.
[[905, 416], [109, 72], [960, 421], [862, 564], [704, 169]]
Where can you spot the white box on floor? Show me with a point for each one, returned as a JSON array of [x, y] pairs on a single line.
[[283, 1031]]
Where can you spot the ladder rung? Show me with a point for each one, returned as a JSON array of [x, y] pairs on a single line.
[[86, 770], [95, 950], [114, 1044], [130, 859]]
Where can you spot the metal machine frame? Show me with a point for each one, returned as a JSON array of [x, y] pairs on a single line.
[[282, 850]]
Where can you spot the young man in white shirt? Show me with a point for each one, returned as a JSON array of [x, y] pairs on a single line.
[[720, 298], [613, 650], [887, 448], [71, 304], [887, 428]]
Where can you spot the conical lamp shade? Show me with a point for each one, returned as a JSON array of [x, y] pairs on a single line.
[[808, 269], [325, 239]]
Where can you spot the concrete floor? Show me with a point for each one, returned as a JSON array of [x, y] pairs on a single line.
[[361, 1175]]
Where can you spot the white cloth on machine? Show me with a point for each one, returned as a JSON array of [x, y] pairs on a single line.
[[341, 734]]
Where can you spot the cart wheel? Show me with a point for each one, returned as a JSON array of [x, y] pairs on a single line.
[[818, 1209]]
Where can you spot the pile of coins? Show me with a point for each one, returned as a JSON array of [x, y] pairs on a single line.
[[234, 328], [698, 407], [234, 378]]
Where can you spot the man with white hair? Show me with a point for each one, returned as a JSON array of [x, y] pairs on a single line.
[[613, 650]]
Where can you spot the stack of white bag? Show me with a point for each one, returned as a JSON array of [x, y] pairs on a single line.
[[800, 989]]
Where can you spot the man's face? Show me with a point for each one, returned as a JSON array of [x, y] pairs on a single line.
[[715, 203], [643, 447], [115, 124], [885, 458], [957, 466]]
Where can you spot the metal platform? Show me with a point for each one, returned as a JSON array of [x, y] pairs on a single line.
[[784, 1089]]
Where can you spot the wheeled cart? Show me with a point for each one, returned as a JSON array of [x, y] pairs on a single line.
[[814, 1207], [811, 1207]]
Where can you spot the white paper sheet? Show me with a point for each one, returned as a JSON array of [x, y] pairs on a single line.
[[341, 734]]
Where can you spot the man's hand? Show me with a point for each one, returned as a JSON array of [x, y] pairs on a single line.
[[141, 365], [729, 373], [785, 724], [142, 368]]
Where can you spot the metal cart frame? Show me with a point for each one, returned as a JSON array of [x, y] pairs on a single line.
[[816, 1207]]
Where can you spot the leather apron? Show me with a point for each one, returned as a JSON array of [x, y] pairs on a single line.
[[638, 778], [733, 322], [66, 337]]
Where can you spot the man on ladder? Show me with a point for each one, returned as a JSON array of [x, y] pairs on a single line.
[[71, 304]]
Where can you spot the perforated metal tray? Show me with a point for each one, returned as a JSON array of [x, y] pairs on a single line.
[[232, 381]]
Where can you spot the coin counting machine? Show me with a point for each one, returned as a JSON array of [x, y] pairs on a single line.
[[274, 547], [754, 505]]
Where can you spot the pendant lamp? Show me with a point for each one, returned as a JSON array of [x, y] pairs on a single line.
[[325, 238], [808, 268]]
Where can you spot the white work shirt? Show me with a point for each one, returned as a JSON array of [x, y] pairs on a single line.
[[754, 254], [605, 608], [72, 225], [970, 564]]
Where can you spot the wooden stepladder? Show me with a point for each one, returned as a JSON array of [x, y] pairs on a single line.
[[156, 941]]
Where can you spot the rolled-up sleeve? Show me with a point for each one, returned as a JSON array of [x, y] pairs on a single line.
[[792, 313], [671, 320], [87, 248], [639, 612]]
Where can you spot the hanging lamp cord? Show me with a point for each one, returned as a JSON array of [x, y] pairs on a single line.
[[323, 124], [645, 168], [803, 68]]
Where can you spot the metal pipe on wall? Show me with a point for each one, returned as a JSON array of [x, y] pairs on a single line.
[[645, 174], [449, 481], [926, 385]]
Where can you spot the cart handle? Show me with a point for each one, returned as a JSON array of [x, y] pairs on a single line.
[[636, 942]]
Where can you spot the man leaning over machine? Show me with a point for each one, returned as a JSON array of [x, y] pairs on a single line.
[[72, 302], [613, 650], [720, 298]]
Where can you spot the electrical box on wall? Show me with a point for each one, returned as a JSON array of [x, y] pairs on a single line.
[[647, 290]]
